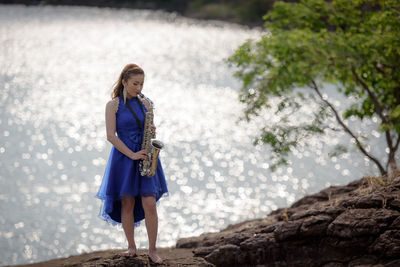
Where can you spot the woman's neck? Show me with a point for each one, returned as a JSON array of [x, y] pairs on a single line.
[[128, 96]]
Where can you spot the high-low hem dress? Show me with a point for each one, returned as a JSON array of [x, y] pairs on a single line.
[[122, 176]]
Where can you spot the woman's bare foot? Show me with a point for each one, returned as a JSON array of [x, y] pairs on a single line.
[[154, 257], [131, 252]]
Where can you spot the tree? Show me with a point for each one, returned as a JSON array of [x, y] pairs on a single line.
[[352, 44]]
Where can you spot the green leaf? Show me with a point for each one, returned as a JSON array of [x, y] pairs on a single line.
[[396, 112]]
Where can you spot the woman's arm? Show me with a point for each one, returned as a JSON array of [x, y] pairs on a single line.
[[111, 108]]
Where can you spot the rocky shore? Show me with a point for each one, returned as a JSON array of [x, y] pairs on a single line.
[[357, 224], [353, 225]]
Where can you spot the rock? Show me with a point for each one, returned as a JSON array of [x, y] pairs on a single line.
[[396, 182], [187, 243], [395, 224], [324, 195], [336, 249], [287, 230], [309, 200], [387, 245], [395, 204], [315, 225], [364, 260], [225, 255], [356, 222], [236, 238], [258, 241], [395, 263], [339, 226], [367, 201], [333, 264], [266, 229], [204, 251], [332, 212]]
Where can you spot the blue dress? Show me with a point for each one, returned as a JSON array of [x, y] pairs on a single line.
[[122, 176]]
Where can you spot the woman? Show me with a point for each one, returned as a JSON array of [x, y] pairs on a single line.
[[127, 196]]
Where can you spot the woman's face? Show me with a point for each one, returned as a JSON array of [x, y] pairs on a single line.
[[134, 85]]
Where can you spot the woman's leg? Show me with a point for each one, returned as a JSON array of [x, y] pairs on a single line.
[[128, 203], [150, 210]]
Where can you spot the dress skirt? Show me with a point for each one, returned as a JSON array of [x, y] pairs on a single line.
[[122, 178]]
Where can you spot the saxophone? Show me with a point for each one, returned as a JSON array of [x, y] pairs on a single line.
[[153, 146]]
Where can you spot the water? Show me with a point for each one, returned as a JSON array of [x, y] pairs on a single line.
[[57, 67]]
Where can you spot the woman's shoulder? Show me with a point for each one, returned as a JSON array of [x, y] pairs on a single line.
[[113, 104]]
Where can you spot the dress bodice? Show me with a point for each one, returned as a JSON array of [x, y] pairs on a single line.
[[126, 124]]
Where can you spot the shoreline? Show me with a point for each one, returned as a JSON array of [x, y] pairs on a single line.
[[225, 12]]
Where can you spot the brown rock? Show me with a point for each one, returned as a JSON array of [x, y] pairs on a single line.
[[333, 264], [395, 224], [348, 202], [374, 200], [315, 231], [258, 241], [235, 238], [204, 251], [388, 244], [315, 225], [188, 242], [352, 246], [395, 204], [356, 222], [309, 200], [395, 263], [324, 195], [267, 229], [225, 255], [305, 213], [287, 230], [364, 260]]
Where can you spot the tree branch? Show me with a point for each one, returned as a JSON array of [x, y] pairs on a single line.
[[391, 163], [396, 146], [371, 95], [378, 108], [347, 129]]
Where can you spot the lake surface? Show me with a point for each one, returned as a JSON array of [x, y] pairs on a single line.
[[57, 68]]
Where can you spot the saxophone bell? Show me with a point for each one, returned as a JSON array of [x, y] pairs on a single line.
[[157, 144]]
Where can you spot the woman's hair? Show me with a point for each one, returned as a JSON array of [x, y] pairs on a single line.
[[128, 71]]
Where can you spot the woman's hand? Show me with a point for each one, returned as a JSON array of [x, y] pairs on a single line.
[[142, 154]]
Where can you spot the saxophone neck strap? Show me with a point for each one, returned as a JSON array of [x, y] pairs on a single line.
[[134, 114]]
